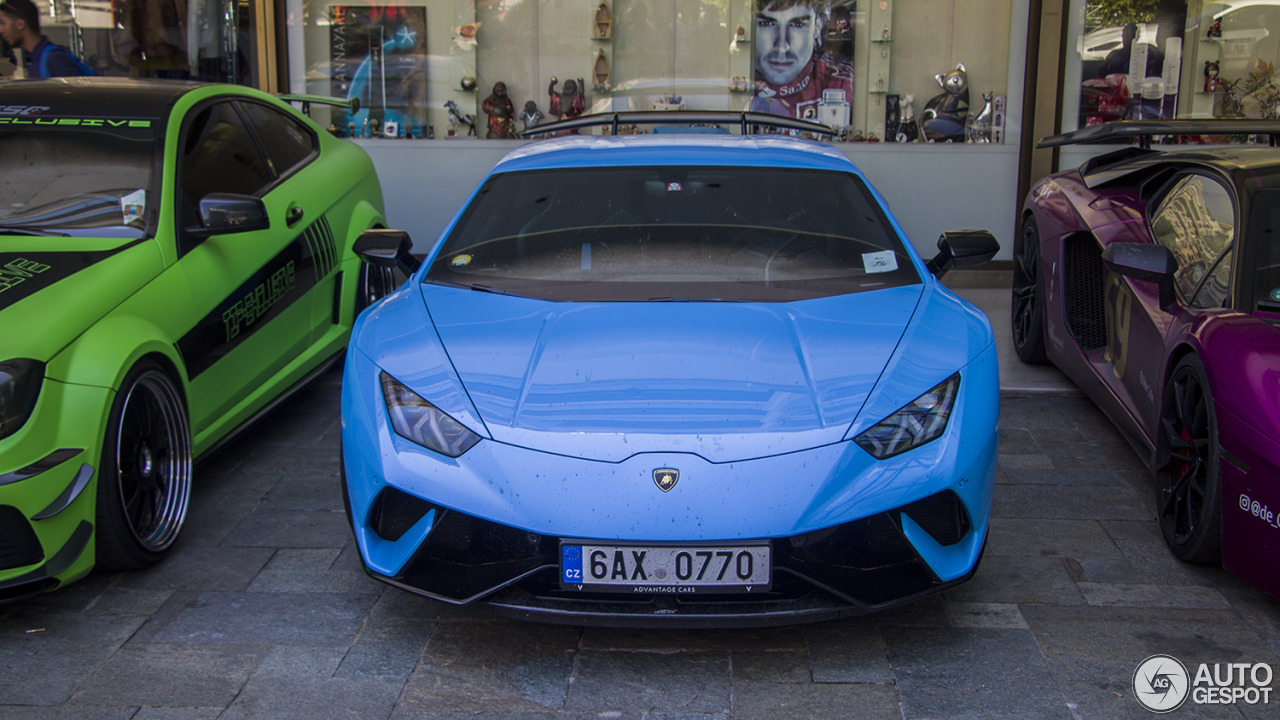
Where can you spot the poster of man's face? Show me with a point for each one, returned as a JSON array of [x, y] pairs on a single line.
[[786, 38], [803, 54]]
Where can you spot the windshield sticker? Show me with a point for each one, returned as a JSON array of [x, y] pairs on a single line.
[[880, 262], [133, 205], [461, 260], [23, 109]]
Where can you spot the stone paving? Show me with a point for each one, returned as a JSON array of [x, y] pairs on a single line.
[[263, 611]]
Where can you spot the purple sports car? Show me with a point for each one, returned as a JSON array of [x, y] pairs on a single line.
[[1152, 279]]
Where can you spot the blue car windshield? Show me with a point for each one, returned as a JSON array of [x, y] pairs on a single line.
[[67, 180], [672, 233]]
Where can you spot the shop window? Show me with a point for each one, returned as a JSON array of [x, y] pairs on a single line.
[[212, 40], [432, 68], [1171, 59]]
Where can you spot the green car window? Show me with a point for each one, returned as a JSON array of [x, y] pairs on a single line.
[[68, 179]]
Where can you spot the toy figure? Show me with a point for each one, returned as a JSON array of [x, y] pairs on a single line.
[[944, 116], [603, 23], [1210, 76], [908, 131], [457, 117], [531, 115], [567, 104], [1215, 30], [501, 113], [980, 126]]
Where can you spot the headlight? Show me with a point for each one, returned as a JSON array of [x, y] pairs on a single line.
[[19, 387], [914, 425], [418, 420]]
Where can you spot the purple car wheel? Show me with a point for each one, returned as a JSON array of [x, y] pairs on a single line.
[[1027, 308], [1188, 479]]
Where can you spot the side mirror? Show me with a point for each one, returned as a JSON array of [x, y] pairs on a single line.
[[1147, 262], [225, 213], [963, 249], [387, 248]]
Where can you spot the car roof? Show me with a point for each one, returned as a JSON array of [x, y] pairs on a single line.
[[571, 151], [94, 96]]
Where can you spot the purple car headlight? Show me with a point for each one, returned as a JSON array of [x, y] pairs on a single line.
[[920, 421], [421, 422]]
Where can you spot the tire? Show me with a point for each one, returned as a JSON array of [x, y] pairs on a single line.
[[1026, 313], [1188, 475], [372, 284], [144, 484]]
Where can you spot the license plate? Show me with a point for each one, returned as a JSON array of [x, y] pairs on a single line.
[[664, 568]]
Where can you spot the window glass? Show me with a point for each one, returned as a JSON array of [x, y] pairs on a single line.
[[869, 67], [666, 233], [1196, 221], [287, 141], [212, 40], [1171, 59], [218, 155]]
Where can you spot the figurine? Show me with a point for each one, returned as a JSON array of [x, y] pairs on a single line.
[[1215, 30], [531, 115], [468, 83], [501, 112], [740, 35], [944, 116], [908, 131], [601, 73], [604, 23], [980, 125], [1210, 76], [457, 117], [567, 104]]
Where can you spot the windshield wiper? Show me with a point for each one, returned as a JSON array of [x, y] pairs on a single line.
[[691, 298], [479, 288], [7, 230]]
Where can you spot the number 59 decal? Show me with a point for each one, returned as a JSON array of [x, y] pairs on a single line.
[[1119, 309]]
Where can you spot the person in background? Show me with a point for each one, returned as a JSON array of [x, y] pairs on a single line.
[[20, 28]]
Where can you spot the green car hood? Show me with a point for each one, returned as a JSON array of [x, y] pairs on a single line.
[[48, 297]]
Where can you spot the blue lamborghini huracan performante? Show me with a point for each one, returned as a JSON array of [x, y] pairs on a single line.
[[672, 379]]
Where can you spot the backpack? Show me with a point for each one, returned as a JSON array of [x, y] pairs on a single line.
[[80, 65]]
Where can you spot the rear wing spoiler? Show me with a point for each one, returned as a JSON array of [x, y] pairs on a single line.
[[747, 122], [350, 104], [1128, 131]]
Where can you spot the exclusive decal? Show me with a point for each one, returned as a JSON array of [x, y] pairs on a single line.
[[282, 281], [77, 122], [25, 274], [19, 269], [666, 478]]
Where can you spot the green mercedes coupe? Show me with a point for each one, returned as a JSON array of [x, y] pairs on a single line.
[[174, 259]]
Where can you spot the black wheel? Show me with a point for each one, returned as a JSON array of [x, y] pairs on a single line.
[[1188, 478], [373, 284], [1027, 305], [144, 483]]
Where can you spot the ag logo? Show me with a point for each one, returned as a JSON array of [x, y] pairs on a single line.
[[1161, 683], [666, 478]]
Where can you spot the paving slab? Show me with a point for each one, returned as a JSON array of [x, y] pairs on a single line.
[[263, 611]]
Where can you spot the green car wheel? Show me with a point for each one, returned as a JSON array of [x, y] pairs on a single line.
[[145, 483]]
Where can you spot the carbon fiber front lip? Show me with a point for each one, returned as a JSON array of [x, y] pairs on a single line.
[[43, 578]]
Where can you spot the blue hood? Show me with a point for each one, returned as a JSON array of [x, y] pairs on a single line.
[[608, 380]]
